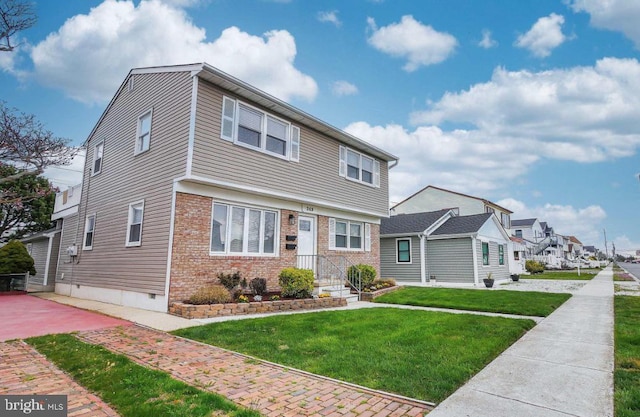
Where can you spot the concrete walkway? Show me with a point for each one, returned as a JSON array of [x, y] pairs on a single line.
[[563, 367]]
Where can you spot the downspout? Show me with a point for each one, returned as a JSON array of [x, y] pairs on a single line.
[[423, 269], [47, 262], [474, 251]]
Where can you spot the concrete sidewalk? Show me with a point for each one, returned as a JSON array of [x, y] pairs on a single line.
[[563, 367]]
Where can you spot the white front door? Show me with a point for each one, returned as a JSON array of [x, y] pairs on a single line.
[[306, 242]]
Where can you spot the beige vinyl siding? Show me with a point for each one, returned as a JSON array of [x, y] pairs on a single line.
[[451, 260], [128, 178], [404, 271], [39, 254], [433, 199], [498, 271], [315, 177], [67, 238]]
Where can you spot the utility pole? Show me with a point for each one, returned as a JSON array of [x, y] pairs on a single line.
[[613, 251], [606, 248]]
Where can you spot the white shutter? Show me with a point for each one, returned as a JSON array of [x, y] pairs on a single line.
[[332, 233], [343, 161], [228, 118], [376, 173], [295, 143], [367, 237]]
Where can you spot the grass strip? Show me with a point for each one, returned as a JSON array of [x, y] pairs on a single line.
[[419, 354], [131, 389], [526, 303], [627, 356], [571, 275]]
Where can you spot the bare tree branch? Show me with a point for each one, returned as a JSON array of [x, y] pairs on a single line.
[[15, 16]]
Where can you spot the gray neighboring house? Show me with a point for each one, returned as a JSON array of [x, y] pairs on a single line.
[[439, 246], [43, 248]]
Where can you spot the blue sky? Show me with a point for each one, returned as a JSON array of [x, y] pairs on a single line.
[[533, 104]]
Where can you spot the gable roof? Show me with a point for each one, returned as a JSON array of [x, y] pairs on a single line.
[[486, 202], [589, 248], [249, 92], [410, 223], [523, 222], [463, 224], [575, 240]]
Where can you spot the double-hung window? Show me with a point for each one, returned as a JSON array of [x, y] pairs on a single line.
[[358, 167], [98, 151], [237, 230], [501, 254], [485, 253], [134, 224], [251, 127], [348, 235], [403, 251], [143, 137], [89, 230]]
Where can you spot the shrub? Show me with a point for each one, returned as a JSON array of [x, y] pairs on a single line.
[[258, 286], [387, 282], [534, 267], [213, 294], [230, 281], [367, 275], [296, 282], [15, 259]]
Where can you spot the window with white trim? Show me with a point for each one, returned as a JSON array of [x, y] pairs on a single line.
[[89, 231], [485, 253], [403, 251], [500, 254], [30, 248], [143, 136], [356, 166], [134, 224], [98, 151], [348, 235], [251, 127], [238, 230]]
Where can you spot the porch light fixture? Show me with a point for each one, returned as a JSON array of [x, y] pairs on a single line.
[[292, 220]]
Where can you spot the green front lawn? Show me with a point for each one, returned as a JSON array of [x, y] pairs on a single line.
[[525, 303], [627, 356], [585, 275], [130, 389], [419, 354]]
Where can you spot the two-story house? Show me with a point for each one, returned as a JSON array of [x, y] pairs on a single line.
[[191, 172]]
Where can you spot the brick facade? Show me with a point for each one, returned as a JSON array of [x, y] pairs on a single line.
[[192, 267]]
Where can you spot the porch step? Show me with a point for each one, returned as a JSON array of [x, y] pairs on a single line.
[[343, 292]]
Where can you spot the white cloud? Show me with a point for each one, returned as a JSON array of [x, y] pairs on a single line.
[[420, 44], [330, 17], [343, 88], [487, 42], [618, 15], [583, 223], [583, 114], [89, 56], [544, 36], [67, 175], [624, 246], [461, 160]]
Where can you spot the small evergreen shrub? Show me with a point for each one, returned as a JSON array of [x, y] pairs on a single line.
[[296, 282], [258, 286], [14, 259], [230, 281], [213, 294], [367, 275], [534, 267]]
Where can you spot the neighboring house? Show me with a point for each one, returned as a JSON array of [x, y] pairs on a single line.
[[440, 246], [590, 251], [517, 255], [433, 198], [527, 229], [191, 172], [43, 248]]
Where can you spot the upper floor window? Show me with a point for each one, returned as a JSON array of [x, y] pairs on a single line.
[[488, 209], [348, 235], [505, 219], [237, 230], [98, 151], [253, 128], [359, 167], [519, 233], [144, 132], [134, 224], [89, 230]]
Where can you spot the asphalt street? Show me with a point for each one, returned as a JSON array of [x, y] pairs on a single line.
[[633, 269]]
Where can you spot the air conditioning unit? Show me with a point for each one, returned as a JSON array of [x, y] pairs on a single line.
[[72, 250]]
